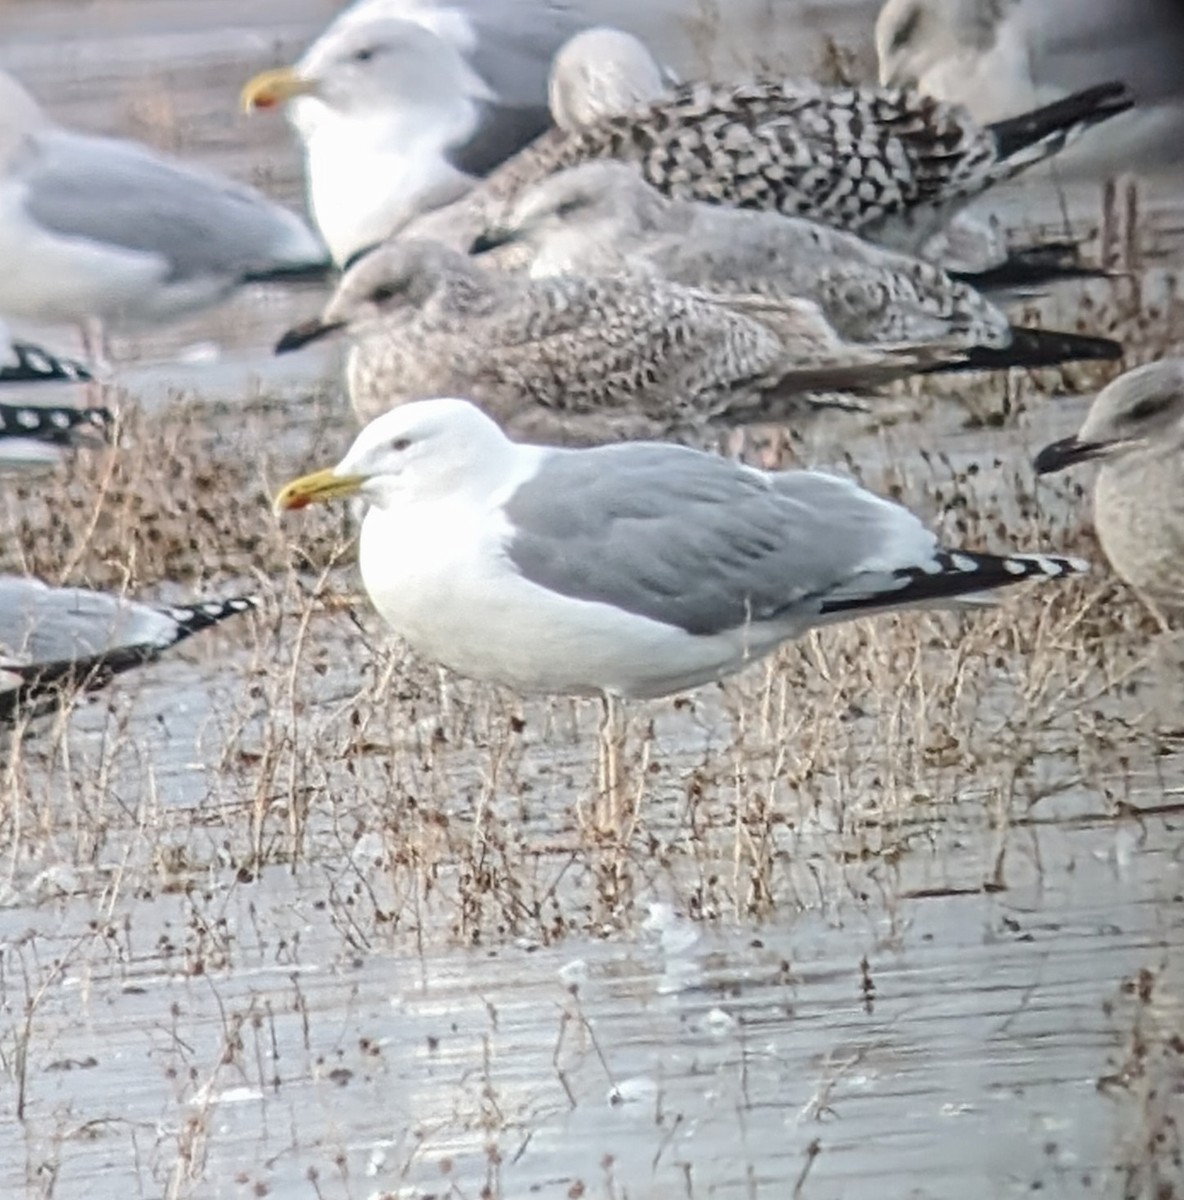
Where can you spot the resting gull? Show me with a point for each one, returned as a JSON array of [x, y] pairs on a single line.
[[574, 359], [1135, 428], [96, 231], [602, 218], [890, 164], [632, 570], [601, 72], [38, 435], [401, 107], [56, 640]]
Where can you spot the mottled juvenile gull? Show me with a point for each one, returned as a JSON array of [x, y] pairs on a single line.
[[399, 111], [631, 570], [1135, 427], [94, 229], [23, 362], [36, 435], [56, 640], [602, 218], [576, 359], [888, 163]]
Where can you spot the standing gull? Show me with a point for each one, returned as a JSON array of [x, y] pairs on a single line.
[[56, 640], [401, 108], [890, 164], [1135, 428], [581, 359], [632, 570], [602, 218], [97, 231]]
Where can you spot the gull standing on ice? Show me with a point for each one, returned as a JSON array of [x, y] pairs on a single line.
[[56, 640], [602, 218], [1135, 429], [96, 231], [573, 359], [632, 570]]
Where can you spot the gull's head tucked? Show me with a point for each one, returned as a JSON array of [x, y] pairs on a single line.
[[602, 72], [394, 280], [423, 451], [914, 36], [598, 202], [1140, 411], [371, 68]]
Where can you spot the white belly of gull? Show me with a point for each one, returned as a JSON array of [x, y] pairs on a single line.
[[440, 578]]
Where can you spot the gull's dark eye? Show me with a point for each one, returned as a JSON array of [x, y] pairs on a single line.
[[1150, 407], [365, 54], [400, 443], [383, 293]]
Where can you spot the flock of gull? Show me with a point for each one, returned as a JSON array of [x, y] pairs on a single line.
[[564, 275]]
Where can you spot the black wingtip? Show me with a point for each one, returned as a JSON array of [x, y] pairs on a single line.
[[305, 334], [56, 425], [193, 618], [35, 365], [1032, 267], [1060, 118], [955, 574], [1033, 348]]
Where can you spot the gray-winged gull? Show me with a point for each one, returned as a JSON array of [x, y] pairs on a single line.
[[401, 107], [1135, 428], [602, 218], [573, 359], [56, 640], [100, 230], [37, 435], [632, 570]]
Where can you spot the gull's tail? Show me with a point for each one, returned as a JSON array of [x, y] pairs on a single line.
[[954, 575], [1042, 132], [30, 364], [1034, 348]]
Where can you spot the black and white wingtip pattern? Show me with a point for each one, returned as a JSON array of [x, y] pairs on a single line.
[[193, 618], [951, 574], [55, 425], [1044, 131], [34, 365]]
